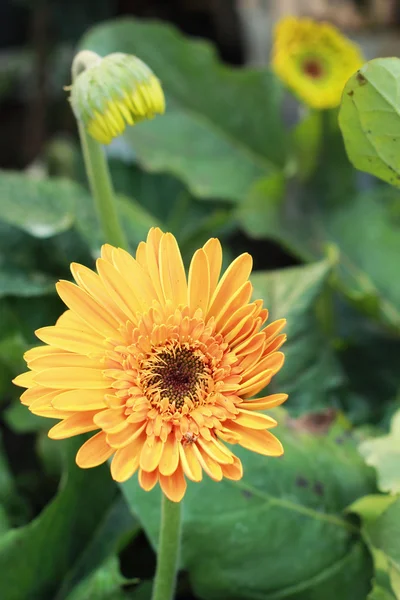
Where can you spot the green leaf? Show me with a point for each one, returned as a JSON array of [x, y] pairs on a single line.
[[222, 129], [41, 207], [15, 282], [311, 374], [104, 584], [383, 453], [380, 517], [306, 139], [240, 537], [370, 120], [36, 559], [364, 228]]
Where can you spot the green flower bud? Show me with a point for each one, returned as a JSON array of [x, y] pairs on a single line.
[[113, 92]]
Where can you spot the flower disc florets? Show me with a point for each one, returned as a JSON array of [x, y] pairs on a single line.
[[162, 365], [314, 59], [113, 92]]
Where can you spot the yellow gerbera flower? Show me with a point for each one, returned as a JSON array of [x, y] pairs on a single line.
[[113, 92], [314, 59], [163, 365]]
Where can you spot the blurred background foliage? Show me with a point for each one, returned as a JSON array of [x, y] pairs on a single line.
[[235, 156]]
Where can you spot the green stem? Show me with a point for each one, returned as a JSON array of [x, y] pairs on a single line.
[[168, 550], [102, 190], [97, 169]]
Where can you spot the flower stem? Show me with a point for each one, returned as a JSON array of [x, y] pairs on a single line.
[[168, 550], [97, 169]]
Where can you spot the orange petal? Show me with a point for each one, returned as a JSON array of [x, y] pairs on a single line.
[[80, 400], [73, 425], [44, 401], [190, 462], [34, 393], [232, 306], [136, 277], [262, 442], [199, 282], [94, 452], [234, 471], [62, 359], [273, 329], [40, 351], [216, 451], [213, 251], [172, 271], [71, 340], [112, 419], [73, 377], [234, 277], [152, 259], [118, 289], [170, 456], [25, 380], [88, 309], [212, 468], [122, 438], [174, 486], [151, 454], [147, 480], [126, 460], [92, 284], [271, 362], [265, 402], [254, 420]]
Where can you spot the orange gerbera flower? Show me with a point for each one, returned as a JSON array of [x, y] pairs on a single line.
[[162, 365]]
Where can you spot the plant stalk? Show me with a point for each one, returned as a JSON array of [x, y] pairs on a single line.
[[168, 550], [97, 169]]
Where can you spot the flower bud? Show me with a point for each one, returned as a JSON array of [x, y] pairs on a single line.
[[113, 92]]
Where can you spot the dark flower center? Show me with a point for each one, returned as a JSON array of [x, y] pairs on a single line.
[[177, 374], [313, 68]]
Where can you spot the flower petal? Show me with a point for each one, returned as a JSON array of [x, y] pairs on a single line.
[[170, 456], [199, 282], [147, 480], [73, 377], [74, 425], [172, 271], [174, 486], [94, 452], [265, 402], [80, 400], [87, 308]]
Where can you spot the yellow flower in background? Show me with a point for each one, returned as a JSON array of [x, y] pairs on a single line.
[[314, 59], [164, 366], [113, 92]]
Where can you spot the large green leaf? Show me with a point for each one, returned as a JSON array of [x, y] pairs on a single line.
[[383, 453], [370, 120], [104, 584], [15, 282], [222, 129], [363, 227], [42, 207], [36, 559], [278, 533], [311, 374], [380, 517]]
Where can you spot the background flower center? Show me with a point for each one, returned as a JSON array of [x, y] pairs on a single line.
[[313, 68]]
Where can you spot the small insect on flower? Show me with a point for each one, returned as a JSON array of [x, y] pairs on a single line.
[[162, 365], [113, 92], [314, 59], [189, 438]]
